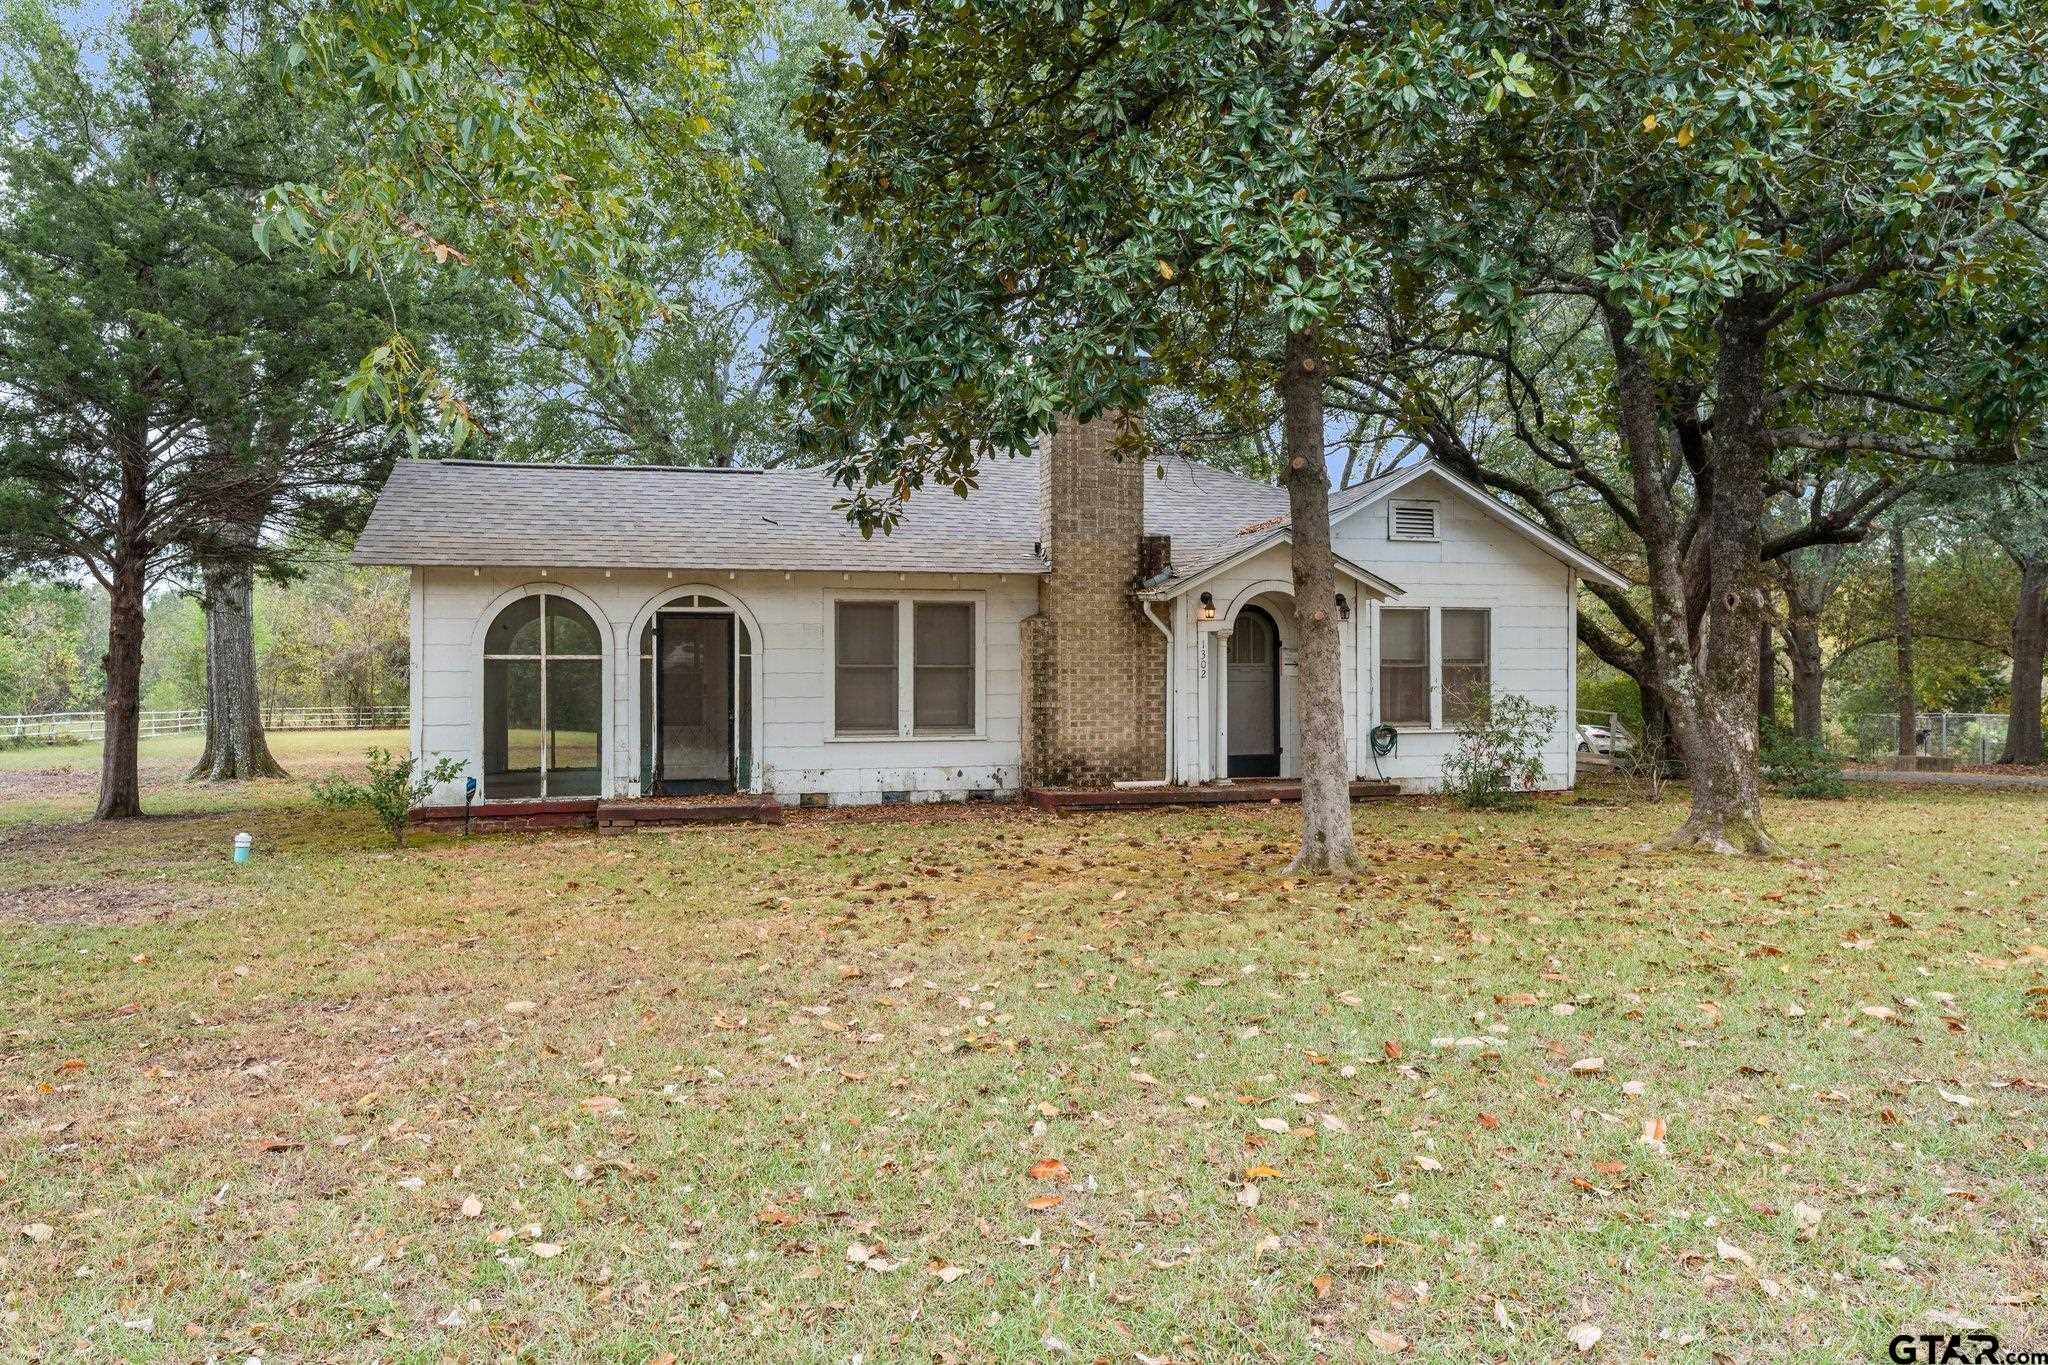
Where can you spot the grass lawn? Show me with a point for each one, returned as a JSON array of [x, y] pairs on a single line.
[[980, 1084]]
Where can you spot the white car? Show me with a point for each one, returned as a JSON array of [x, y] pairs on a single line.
[[1598, 739]]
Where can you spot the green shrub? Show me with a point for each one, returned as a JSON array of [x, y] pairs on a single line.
[[397, 784], [1804, 767], [1500, 752]]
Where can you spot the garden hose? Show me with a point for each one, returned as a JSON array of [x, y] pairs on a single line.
[[1385, 739]]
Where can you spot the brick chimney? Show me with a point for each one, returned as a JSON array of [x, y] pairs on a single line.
[[1094, 666]]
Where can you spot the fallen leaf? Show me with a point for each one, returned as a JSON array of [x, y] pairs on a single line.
[[775, 1217], [1585, 1336], [1039, 1203], [1393, 1343], [520, 1007], [1273, 1125], [472, 1207], [1807, 1219], [1048, 1168], [546, 1251], [1262, 1173], [1585, 1066], [36, 1232], [1728, 1251]]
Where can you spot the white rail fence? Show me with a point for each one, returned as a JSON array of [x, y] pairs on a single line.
[[63, 727]]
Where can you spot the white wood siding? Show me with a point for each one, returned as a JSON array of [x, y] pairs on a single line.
[[1476, 561], [788, 617]]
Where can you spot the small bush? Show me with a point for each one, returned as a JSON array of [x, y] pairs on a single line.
[[397, 784], [1500, 752], [1805, 768]]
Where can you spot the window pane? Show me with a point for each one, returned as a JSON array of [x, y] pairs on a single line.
[[517, 629], [864, 682], [575, 703], [570, 630], [945, 698], [1404, 694], [867, 633], [864, 700], [1251, 639], [1465, 689], [512, 730], [1465, 637], [944, 633], [1404, 637]]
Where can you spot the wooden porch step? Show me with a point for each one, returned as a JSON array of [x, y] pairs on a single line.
[[619, 817], [1243, 792]]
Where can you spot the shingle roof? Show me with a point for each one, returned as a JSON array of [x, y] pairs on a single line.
[[1264, 512], [468, 512], [474, 512]]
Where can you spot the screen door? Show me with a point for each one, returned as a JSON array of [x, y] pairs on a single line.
[[693, 702]]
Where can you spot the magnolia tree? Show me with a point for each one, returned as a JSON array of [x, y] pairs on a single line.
[[1755, 209], [1064, 205]]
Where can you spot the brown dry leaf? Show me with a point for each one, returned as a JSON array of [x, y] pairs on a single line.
[[1262, 1173], [1488, 1121], [1392, 1343], [1392, 1049], [775, 1217], [1048, 1168], [1273, 1125], [1321, 1285], [472, 1207], [600, 1104], [1728, 1251], [1585, 1337], [1039, 1203], [1586, 1066]]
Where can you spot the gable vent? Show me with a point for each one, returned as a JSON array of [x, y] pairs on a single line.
[[1411, 521]]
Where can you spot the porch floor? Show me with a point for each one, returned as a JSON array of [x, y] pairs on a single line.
[[1241, 792]]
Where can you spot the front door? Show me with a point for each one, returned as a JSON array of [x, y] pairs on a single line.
[[693, 709], [1254, 695]]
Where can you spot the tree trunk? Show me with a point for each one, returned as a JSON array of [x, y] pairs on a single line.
[[120, 780], [2029, 641], [1803, 638], [236, 748], [1327, 843], [1766, 678], [1902, 632], [1722, 753]]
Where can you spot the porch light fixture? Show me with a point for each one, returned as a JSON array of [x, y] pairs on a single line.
[[1343, 607], [1208, 609]]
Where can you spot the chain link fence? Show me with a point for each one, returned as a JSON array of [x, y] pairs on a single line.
[[1958, 736]]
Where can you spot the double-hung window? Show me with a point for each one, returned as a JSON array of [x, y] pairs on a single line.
[[1404, 666], [1468, 663], [904, 666], [1428, 653]]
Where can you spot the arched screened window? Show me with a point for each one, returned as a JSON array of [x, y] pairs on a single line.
[[543, 700]]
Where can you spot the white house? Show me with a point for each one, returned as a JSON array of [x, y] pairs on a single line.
[[585, 632]]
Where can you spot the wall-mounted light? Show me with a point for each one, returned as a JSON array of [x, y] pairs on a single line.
[[1208, 608], [1343, 607]]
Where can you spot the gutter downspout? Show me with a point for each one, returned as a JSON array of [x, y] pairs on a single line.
[[1166, 772]]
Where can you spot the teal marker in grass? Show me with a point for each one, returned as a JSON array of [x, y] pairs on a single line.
[[242, 843]]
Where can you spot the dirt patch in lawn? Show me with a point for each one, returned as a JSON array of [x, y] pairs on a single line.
[[104, 904]]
